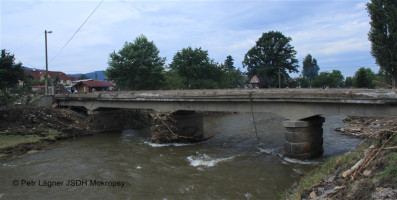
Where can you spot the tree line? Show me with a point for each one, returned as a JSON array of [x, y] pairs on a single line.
[[138, 65]]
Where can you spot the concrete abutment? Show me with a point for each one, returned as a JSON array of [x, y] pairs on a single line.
[[304, 138]]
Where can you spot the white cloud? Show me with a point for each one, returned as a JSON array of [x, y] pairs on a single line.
[[329, 30]]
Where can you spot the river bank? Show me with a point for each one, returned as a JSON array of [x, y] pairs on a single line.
[[27, 129], [369, 172]]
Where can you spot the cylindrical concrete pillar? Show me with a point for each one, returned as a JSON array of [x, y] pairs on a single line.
[[304, 138]]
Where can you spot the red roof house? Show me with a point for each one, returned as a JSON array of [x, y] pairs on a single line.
[[35, 74], [92, 86]]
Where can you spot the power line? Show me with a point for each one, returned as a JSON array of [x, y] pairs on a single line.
[[28, 42], [76, 31]]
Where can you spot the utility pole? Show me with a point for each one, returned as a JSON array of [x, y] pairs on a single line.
[[46, 62]]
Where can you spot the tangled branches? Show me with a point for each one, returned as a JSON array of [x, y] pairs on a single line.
[[165, 129]]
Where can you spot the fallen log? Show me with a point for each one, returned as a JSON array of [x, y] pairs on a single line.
[[353, 169]]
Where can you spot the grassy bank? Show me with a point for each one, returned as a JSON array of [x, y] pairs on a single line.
[[16, 145], [369, 172]]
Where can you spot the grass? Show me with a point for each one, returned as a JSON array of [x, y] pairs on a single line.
[[314, 176], [390, 170], [52, 135], [7, 141], [391, 166]]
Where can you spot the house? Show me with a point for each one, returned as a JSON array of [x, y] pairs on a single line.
[[36, 75], [92, 86], [254, 82], [63, 78], [40, 75]]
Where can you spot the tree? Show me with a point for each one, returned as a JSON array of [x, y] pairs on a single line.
[[10, 73], [310, 68], [272, 56], [173, 80], [196, 69], [383, 79], [332, 80], [337, 79], [364, 78], [302, 82], [229, 63], [83, 76], [231, 77], [383, 35], [137, 66], [348, 82]]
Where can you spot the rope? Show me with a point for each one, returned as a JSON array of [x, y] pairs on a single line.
[[253, 118]]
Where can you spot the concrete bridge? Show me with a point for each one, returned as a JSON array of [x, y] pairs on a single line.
[[302, 108]]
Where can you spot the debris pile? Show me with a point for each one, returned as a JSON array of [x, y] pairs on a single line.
[[26, 120], [165, 129], [24, 129], [364, 127], [371, 173]]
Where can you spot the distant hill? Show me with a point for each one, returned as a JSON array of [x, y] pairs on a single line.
[[27, 68], [100, 75]]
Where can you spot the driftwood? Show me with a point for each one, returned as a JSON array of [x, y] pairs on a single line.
[[389, 148], [362, 165], [164, 130], [353, 169]]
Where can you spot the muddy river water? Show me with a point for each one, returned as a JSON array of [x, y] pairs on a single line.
[[125, 165]]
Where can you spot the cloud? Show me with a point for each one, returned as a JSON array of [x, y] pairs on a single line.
[[332, 31]]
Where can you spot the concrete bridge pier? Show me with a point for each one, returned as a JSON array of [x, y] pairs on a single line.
[[304, 138], [105, 120]]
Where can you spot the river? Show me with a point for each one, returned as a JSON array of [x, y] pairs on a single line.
[[229, 166]]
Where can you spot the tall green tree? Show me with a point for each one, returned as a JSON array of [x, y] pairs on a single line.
[[383, 35], [10, 72], [137, 66], [271, 58], [231, 77], [334, 79], [310, 68], [364, 78], [302, 82], [229, 63], [173, 81], [196, 69], [348, 82]]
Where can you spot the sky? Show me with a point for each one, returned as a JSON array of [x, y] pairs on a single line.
[[334, 32]]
